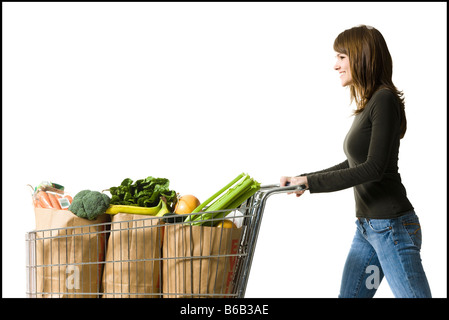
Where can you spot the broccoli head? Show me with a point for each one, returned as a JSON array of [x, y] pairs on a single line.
[[89, 204]]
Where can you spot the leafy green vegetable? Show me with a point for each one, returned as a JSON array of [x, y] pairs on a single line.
[[143, 192]]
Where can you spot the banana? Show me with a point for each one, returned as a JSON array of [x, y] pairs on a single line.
[[152, 211]]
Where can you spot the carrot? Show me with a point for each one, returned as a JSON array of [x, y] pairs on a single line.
[[44, 200], [57, 197], [54, 201], [37, 203], [69, 198]]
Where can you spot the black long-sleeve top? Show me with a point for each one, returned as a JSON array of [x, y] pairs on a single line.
[[371, 147]]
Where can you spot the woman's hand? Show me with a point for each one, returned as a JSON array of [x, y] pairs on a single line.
[[285, 181], [294, 181]]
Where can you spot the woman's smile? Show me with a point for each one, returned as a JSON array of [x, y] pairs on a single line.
[[343, 68]]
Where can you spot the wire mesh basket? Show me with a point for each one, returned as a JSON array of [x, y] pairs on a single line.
[[137, 256]]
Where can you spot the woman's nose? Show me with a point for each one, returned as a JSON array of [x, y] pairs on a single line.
[[336, 66]]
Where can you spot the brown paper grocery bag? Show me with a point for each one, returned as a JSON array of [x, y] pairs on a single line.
[[69, 254], [133, 257], [199, 261]]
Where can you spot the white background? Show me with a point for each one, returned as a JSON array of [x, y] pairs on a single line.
[[199, 92]]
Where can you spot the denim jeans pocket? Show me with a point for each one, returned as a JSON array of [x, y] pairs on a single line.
[[413, 228], [379, 225]]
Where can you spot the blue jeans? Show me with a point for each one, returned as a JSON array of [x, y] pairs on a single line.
[[389, 247]]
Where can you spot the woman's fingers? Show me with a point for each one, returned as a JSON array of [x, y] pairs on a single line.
[[284, 180], [293, 181]]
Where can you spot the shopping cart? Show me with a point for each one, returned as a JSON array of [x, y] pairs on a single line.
[[148, 257]]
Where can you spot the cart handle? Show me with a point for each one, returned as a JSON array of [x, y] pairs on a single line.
[[268, 190], [275, 188]]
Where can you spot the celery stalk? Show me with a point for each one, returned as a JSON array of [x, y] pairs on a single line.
[[205, 203], [245, 196], [237, 202], [224, 201], [230, 200]]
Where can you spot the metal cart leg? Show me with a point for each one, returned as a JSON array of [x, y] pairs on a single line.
[[261, 197], [30, 238]]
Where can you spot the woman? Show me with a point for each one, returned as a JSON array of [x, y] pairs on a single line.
[[388, 235]]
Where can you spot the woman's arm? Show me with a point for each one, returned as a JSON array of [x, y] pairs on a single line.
[[302, 178], [339, 166], [385, 119], [385, 125]]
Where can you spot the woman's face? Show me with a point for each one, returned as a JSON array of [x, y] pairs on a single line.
[[342, 66]]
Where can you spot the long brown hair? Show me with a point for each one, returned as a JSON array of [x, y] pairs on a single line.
[[371, 66]]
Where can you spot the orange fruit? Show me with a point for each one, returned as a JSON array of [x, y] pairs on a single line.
[[226, 224]]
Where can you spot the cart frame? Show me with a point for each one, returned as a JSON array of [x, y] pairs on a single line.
[[39, 262]]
